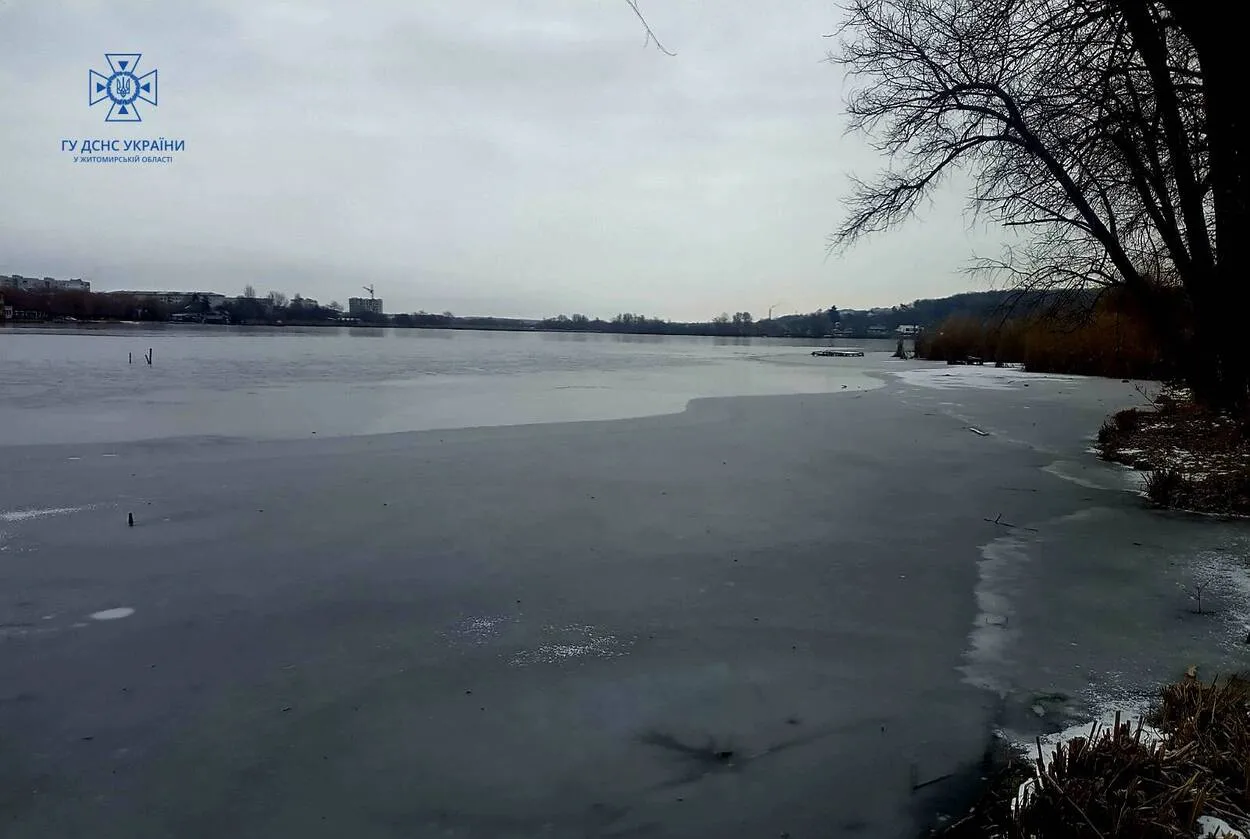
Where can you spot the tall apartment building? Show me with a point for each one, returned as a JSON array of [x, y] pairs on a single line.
[[45, 284], [364, 305]]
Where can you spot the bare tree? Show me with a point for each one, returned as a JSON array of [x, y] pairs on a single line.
[[277, 299], [249, 292], [1088, 125]]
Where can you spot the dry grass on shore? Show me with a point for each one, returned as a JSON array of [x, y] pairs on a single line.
[[1170, 779], [1106, 343], [1196, 459]]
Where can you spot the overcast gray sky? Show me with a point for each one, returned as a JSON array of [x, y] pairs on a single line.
[[483, 156]]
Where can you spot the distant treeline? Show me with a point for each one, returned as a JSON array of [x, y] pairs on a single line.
[[851, 323], [276, 308], [740, 324]]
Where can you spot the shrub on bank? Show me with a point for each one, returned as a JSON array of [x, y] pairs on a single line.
[[1224, 493], [1197, 459], [1168, 780], [1116, 433], [1166, 487]]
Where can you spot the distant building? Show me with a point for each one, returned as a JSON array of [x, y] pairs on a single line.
[[176, 301], [6, 312], [364, 306], [17, 282], [878, 332], [908, 331]]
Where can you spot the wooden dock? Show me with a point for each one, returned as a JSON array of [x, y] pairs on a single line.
[[839, 353]]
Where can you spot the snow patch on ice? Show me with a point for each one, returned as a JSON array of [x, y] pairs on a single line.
[[1000, 572], [479, 629], [576, 641], [112, 614], [992, 634], [482, 624], [1225, 582], [28, 515], [1210, 827], [978, 377]]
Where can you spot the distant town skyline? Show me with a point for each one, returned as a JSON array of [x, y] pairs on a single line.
[[356, 304], [498, 159]]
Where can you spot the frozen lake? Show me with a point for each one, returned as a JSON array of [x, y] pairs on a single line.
[[77, 385], [559, 628]]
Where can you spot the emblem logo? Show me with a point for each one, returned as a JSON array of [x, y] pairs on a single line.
[[123, 87]]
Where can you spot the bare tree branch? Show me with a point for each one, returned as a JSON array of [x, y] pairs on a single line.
[[651, 36]]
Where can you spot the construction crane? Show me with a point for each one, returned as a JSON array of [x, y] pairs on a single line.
[[369, 289]]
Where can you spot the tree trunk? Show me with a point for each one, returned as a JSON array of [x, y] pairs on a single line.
[[1216, 366], [1227, 131]]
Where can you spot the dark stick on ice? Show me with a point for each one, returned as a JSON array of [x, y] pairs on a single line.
[[130, 519], [998, 520], [931, 781]]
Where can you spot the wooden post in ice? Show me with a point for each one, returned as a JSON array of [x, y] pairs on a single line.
[[149, 356], [130, 358]]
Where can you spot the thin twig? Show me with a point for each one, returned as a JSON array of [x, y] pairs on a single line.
[[651, 38], [938, 779]]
